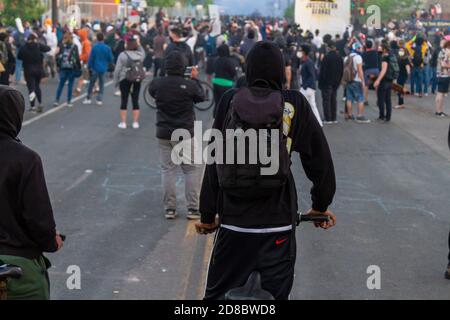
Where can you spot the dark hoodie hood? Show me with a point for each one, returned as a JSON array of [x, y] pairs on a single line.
[[12, 107], [223, 51], [265, 62], [175, 63]]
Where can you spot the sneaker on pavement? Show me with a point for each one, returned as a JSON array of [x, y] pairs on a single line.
[[117, 93], [362, 119], [56, 103], [135, 125], [39, 109], [327, 122], [99, 103], [193, 214], [122, 125], [170, 214], [87, 101], [33, 109], [69, 104]]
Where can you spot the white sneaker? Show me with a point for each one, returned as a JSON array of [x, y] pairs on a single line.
[[99, 103], [87, 101], [117, 93], [122, 125], [135, 125]]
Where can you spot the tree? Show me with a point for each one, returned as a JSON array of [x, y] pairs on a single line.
[[395, 9], [289, 12], [27, 10], [171, 3]]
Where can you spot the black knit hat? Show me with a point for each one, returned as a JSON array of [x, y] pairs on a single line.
[[265, 62]]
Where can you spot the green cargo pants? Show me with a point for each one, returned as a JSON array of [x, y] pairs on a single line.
[[34, 284]]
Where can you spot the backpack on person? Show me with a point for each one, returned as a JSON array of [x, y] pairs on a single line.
[[393, 70], [253, 115], [349, 71], [3, 53], [66, 60], [417, 58], [135, 70]]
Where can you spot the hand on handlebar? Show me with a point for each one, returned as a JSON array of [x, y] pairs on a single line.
[[326, 224], [206, 228]]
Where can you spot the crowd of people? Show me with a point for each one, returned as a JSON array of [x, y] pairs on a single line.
[[266, 55]]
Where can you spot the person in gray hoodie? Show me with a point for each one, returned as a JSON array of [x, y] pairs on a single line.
[[133, 52]]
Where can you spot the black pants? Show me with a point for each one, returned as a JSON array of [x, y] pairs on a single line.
[[34, 85], [218, 93], [385, 100], [4, 78], [125, 88], [232, 262], [449, 248], [401, 97], [329, 103], [158, 62]]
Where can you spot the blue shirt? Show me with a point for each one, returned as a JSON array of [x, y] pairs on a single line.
[[308, 73], [101, 56]]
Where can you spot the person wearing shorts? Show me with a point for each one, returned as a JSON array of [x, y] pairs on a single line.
[[354, 89], [443, 73]]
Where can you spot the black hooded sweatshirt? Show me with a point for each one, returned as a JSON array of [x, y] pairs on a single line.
[[265, 62], [27, 226], [225, 65], [175, 97]]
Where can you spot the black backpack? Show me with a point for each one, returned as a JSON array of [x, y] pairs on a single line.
[[258, 110], [417, 58], [66, 59], [135, 70], [393, 70]]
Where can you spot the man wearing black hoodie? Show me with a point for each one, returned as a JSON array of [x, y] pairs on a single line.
[[27, 226], [175, 97], [331, 71], [259, 234]]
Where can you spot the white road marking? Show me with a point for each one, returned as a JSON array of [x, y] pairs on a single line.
[[53, 110], [83, 177]]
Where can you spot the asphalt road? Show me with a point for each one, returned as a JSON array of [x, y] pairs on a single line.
[[392, 205]]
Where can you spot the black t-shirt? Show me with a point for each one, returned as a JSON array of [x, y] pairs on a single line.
[[403, 63], [370, 60]]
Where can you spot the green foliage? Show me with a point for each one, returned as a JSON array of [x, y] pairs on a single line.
[[171, 3], [27, 10], [395, 9], [289, 12]]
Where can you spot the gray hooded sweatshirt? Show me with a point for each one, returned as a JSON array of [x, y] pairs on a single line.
[[123, 63]]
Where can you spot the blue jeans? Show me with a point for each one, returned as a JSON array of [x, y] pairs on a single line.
[[434, 80], [426, 78], [101, 84], [65, 75], [417, 80], [18, 70]]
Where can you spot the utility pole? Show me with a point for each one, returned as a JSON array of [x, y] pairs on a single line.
[[54, 11]]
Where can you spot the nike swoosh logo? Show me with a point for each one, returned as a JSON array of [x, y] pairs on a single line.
[[278, 242]]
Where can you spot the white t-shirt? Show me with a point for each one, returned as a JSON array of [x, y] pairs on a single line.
[[357, 59]]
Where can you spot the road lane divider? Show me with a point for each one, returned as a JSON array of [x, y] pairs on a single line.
[[58, 108]]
